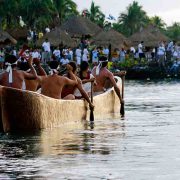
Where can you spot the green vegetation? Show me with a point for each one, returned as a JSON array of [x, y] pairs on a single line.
[[174, 31], [158, 22], [135, 18], [64, 9], [38, 14], [95, 14], [35, 13]]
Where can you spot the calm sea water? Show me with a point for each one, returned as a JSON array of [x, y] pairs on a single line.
[[145, 145]]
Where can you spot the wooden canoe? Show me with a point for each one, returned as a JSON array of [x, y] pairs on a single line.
[[29, 111]]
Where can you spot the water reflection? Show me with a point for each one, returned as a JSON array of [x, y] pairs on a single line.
[[77, 138], [25, 151]]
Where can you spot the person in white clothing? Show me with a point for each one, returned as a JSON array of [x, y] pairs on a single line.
[[65, 51], [95, 56], [106, 51], [85, 54], [46, 51], [36, 54], [170, 46], [57, 54], [175, 53], [169, 52], [70, 54], [161, 54], [78, 55], [64, 61], [47, 30], [140, 50], [14, 52], [122, 55], [132, 50]]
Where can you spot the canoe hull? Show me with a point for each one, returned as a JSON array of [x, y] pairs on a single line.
[[29, 111]]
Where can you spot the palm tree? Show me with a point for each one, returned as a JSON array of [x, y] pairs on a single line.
[[120, 28], [95, 14], [9, 13], [133, 19], [65, 9], [174, 31], [158, 22], [37, 14]]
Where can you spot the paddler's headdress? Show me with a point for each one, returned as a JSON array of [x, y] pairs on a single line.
[[10, 61], [102, 59]]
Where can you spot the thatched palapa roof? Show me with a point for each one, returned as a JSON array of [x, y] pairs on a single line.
[[151, 36], [116, 39], [19, 33], [56, 37], [78, 26], [148, 38], [6, 38], [156, 32]]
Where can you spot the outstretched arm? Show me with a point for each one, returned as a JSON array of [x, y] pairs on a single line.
[[83, 93], [42, 72], [69, 82], [73, 79], [84, 81], [116, 88], [120, 73], [33, 74]]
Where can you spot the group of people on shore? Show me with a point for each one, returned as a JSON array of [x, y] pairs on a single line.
[[25, 72], [163, 52], [66, 54]]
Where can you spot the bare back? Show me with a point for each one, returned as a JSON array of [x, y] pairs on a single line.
[[52, 85], [102, 78], [18, 77], [32, 85]]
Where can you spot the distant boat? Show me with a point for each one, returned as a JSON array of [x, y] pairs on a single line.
[[29, 111]]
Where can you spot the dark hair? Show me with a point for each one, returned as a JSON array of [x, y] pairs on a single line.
[[74, 66], [53, 64], [84, 65], [104, 64], [10, 59], [24, 66], [102, 58], [104, 61]]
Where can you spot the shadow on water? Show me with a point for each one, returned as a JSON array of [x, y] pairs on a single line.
[[15, 149], [19, 145]]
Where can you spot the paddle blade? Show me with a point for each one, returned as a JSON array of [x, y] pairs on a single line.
[[122, 111], [91, 115]]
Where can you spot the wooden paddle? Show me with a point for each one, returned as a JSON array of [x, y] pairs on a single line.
[[122, 111], [91, 109]]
